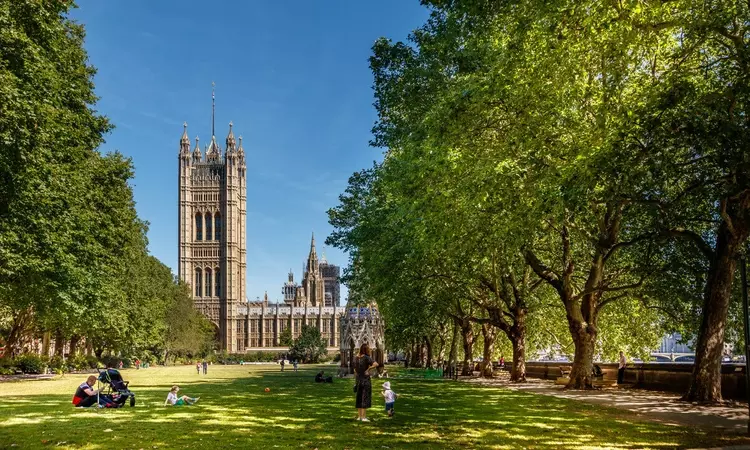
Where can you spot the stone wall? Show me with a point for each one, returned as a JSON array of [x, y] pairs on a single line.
[[671, 377]]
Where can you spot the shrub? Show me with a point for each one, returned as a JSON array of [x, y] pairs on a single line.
[[337, 357], [31, 364], [57, 363]]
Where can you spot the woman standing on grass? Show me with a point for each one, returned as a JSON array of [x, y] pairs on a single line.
[[362, 365]]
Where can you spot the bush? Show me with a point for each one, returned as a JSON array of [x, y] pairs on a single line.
[[7, 366], [31, 364], [337, 357], [57, 364]]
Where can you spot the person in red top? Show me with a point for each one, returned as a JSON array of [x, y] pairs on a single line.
[[85, 395]]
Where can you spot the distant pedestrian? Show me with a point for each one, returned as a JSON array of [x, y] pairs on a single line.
[[137, 364], [282, 363], [502, 362], [198, 367], [295, 365], [205, 367], [621, 368]]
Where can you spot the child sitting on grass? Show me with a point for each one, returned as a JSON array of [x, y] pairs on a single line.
[[173, 400], [390, 398]]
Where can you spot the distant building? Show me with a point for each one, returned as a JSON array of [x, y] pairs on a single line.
[[670, 343], [321, 283], [332, 281]]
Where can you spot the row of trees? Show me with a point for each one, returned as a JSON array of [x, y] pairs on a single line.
[[73, 253], [570, 173]]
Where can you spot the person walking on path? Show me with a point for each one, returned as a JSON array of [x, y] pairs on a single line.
[[282, 363], [362, 366], [198, 367], [205, 367], [621, 368], [295, 365]]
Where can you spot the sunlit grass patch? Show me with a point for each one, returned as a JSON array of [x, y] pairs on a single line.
[[234, 411]]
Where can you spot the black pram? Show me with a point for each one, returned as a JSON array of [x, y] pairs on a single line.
[[115, 387]]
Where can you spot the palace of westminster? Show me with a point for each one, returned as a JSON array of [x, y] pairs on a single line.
[[213, 249]]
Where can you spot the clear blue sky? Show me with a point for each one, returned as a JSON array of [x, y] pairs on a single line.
[[293, 76]]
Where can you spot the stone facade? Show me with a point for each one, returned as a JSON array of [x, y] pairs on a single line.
[[358, 326], [212, 255], [212, 237]]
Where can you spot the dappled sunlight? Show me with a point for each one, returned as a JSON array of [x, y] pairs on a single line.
[[234, 411]]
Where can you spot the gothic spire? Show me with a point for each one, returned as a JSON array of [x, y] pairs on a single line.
[[184, 140], [312, 260], [197, 150], [230, 139]]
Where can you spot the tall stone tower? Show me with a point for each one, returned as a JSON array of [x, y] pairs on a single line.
[[212, 240], [313, 281]]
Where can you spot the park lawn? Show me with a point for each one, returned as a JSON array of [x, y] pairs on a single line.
[[234, 411]]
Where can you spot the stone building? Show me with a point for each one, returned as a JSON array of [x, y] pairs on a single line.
[[361, 325], [212, 254]]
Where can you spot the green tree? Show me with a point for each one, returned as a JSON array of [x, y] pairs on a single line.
[[285, 338], [309, 345]]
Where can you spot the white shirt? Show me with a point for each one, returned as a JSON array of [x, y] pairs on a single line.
[[390, 396], [172, 398]]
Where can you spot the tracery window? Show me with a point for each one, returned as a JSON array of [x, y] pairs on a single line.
[[217, 228], [209, 234], [217, 289], [198, 227], [209, 284], [198, 282]]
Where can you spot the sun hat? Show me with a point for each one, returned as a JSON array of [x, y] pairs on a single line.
[[387, 385]]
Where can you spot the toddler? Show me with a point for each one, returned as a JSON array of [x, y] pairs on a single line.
[[390, 398]]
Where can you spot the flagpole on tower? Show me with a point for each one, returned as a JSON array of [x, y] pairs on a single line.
[[213, 109]]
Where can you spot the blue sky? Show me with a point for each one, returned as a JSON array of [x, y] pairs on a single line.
[[293, 76]]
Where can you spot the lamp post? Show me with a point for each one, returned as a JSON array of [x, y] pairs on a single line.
[[743, 274]]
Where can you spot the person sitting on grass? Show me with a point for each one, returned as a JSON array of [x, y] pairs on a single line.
[[174, 400], [86, 396], [321, 378]]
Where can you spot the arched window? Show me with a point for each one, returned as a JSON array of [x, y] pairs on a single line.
[[209, 222], [209, 283], [198, 227], [198, 282], [217, 285], [217, 228]]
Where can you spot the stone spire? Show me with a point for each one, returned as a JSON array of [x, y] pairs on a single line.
[[213, 152], [231, 144], [197, 156], [184, 143], [241, 152], [312, 259]]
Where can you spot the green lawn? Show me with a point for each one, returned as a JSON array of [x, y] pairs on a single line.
[[235, 411]]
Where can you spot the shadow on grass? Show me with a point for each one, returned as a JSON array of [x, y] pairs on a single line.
[[234, 411]]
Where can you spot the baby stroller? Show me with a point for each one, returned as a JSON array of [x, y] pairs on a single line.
[[114, 387]]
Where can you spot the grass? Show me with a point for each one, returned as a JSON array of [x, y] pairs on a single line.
[[234, 411]]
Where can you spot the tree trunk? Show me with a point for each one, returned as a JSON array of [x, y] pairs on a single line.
[[453, 354], [19, 325], [467, 334], [705, 386], [59, 343], [489, 333], [518, 339], [46, 337], [428, 348], [74, 344], [584, 339], [416, 355]]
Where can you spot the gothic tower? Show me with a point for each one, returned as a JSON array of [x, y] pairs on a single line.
[[212, 240], [313, 282]]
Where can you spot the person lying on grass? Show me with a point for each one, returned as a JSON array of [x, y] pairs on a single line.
[[174, 400]]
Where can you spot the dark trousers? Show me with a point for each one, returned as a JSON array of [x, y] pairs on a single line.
[[620, 375], [205, 370]]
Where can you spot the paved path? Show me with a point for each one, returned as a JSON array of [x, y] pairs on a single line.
[[651, 405]]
